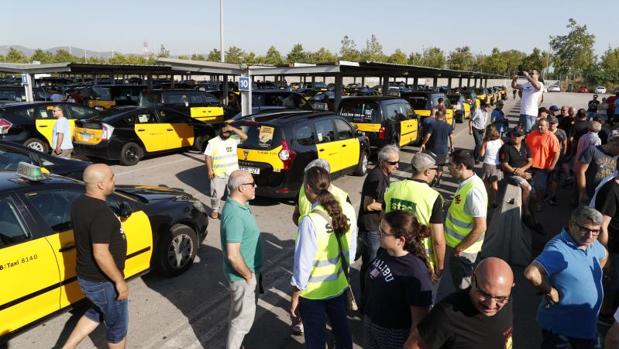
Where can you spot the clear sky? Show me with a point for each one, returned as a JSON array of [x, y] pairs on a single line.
[[192, 26]]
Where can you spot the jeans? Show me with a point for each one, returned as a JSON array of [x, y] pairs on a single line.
[[527, 122], [478, 136], [457, 273], [555, 341], [106, 308], [242, 311], [314, 314], [371, 244]]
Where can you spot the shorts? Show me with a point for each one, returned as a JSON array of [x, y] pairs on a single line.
[[540, 179], [491, 172], [441, 160], [519, 181], [106, 308]]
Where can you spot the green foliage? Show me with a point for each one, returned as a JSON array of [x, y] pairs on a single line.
[[398, 57], [373, 50], [322, 56], [297, 55], [163, 52], [433, 57], [573, 52], [348, 50], [461, 59], [415, 58], [16, 56], [273, 56], [234, 55], [214, 55], [197, 57], [63, 55], [42, 56], [183, 57]]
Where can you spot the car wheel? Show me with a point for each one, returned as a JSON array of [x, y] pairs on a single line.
[[177, 250], [130, 154], [37, 144], [362, 166]]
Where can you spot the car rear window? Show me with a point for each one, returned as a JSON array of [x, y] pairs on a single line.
[[360, 111], [192, 97], [260, 136], [418, 103], [16, 94]]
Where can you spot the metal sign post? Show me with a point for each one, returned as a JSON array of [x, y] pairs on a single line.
[[245, 89], [26, 81]]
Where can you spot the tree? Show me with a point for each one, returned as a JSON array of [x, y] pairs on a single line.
[[536, 60], [163, 52], [433, 57], [322, 56], [609, 66], [183, 57], [493, 63], [512, 59], [16, 56], [42, 56], [234, 55], [348, 50], [398, 57], [373, 50], [273, 56], [297, 54], [197, 57], [118, 58], [214, 55], [461, 59], [415, 58], [573, 52], [63, 55]]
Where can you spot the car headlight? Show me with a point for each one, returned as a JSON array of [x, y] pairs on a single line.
[[197, 204]]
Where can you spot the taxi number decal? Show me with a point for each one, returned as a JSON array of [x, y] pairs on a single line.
[[22, 260]]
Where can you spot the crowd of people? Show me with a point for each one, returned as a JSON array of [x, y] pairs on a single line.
[[423, 283]]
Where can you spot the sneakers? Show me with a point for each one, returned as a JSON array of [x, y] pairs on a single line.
[[297, 329], [214, 215]]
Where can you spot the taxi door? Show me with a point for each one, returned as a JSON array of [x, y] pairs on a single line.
[[28, 270], [409, 125], [179, 129], [45, 121], [152, 132], [350, 147], [327, 145]]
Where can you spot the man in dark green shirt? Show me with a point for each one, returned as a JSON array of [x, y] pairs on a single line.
[[242, 250]]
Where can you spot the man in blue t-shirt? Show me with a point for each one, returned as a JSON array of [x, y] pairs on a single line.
[[569, 273], [439, 141]]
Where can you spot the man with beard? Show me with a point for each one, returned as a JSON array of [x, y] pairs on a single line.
[[221, 160]]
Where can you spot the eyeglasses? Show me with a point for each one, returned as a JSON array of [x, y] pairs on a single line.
[[486, 296], [253, 184], [393, 163], [585, 231]]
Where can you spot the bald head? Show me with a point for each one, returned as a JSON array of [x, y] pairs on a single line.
[[492, 286], [99, 180]]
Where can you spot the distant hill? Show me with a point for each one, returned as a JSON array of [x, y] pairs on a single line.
[[76, 51]]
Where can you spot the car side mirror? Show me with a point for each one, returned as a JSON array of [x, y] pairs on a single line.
[[124, 210]]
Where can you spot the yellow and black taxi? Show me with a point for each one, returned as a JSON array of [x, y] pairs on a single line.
[[280, 144], [127, 134], [198, 104], [424, 102], [460, 106], [471, 98], [384, 120], [109, 96], [31, 124], [164, 228], [11, 154], [268, 100]]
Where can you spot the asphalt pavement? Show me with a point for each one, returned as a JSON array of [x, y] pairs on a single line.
[[190, 311]]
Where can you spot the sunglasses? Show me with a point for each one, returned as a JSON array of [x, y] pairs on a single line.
[[393, 163]]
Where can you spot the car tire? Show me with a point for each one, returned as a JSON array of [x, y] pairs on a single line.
[[177, 250], [37, 144], [362, 166], [130, 154]]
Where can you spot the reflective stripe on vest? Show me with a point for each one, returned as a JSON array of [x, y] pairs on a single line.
[[459, 224], [417, 198], [327, 278], [225, 159]]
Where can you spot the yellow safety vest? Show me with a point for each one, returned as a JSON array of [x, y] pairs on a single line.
[[225, 159], [305, 207], [459, 224], [327, 278], [417, 198]]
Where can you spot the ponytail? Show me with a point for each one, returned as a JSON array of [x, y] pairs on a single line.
[[405, 225], [319, 181]]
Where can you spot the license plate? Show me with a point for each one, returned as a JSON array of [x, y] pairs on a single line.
[[85, 136], [252, 170]]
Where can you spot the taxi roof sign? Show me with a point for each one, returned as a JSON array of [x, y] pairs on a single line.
[[30, 172]]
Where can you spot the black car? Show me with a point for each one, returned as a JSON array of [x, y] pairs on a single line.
[[31, 124], [128, 134], [198, 104], [281, 144], [267, 99], [11, 154]]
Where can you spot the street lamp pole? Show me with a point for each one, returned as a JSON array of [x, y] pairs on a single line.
[[221, 31]]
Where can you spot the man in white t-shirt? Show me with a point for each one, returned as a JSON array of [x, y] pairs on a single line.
[[62, 145], [532, 91]]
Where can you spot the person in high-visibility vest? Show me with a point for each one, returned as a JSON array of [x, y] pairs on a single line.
[[324, 248], [304, 206], [221, 160], [417, 197], [465, 224]]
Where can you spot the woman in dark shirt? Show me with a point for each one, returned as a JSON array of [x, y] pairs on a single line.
[[398, 287]]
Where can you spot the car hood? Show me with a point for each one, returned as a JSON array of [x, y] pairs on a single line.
[[155, 193]]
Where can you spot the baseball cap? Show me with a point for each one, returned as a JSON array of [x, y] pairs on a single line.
[[554, 107], [517, 132], [552, 119], [318, 163], [422, 161]]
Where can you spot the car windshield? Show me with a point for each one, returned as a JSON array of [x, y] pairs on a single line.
[[418, 103], [102, 93], [259, 136], [191, 97], [14, 94], [286, 100], [360, 111]]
